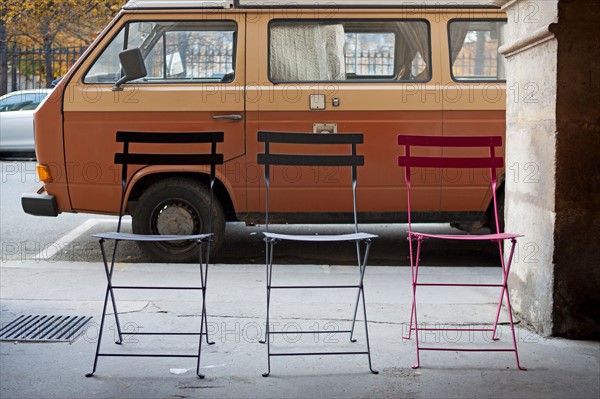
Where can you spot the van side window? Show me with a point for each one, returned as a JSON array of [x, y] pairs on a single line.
[[474, 50], [187, 51], [375, 50]]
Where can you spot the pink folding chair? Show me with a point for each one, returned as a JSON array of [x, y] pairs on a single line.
[[491, 162]]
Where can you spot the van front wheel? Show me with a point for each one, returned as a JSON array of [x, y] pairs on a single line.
[[177, 206]]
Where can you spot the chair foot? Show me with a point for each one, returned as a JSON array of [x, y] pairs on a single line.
[[88, 375], [353, 340], [210, 342], [415, 366], [265, 374], [406, 336], [201, 376], [262, 341], [374, 371], [521, 367]]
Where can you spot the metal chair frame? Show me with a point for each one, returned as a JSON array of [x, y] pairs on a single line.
[[125, 158], [268, 159], [491, 162]]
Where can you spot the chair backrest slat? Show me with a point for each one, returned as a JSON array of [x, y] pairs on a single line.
[[310, 138], [170, 138], [450, 162], [311, 160], [168, 159], [450, 141]]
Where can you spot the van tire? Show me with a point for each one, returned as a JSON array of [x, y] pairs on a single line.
[[177, 205]]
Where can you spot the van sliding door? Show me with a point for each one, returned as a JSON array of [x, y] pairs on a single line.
[[363, 71]]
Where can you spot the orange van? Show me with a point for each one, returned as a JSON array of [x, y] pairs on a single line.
[[382, 68]]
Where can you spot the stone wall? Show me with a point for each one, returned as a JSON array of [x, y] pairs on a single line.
[[577, 227], [553, 163]]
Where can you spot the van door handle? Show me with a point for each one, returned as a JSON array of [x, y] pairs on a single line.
[[233, 117]]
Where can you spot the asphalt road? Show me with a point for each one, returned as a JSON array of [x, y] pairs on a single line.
[[68, 237]]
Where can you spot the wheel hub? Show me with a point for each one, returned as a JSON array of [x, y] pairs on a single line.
[[176, 219]]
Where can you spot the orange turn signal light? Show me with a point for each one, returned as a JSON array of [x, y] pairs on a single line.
[[43, 173]]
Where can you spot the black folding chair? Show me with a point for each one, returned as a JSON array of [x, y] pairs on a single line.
[[128, 157], [351, 160]]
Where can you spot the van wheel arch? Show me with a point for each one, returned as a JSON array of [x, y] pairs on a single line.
[[176, 205]]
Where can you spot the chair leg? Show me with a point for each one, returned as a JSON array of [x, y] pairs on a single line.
[[202, 324], [270, 246], [418, 360], [364, 302], [109, 273], [414, 271], [505, 291], [203, 318], [269, 269], [109, 292], [204, 282], [504, 281], [102, 318], [362, 263], [414, 305]]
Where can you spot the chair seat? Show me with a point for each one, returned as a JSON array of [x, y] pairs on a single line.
[[323, 238], [150, 237], [482, 237]]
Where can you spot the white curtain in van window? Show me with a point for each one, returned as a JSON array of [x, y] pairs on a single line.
[[307, 52], [416, 40], [458, 33]]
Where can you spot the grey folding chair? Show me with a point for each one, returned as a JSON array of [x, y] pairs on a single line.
[[288, 142], [158, 157]]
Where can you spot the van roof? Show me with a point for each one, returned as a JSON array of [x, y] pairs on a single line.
[[176, 4], [365, 3], [221, 4]]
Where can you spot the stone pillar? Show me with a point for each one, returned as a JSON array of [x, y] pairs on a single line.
[[553, 163]]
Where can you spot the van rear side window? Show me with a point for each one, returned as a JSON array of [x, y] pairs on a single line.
[[187, 51], [474, 50], [325, 51]]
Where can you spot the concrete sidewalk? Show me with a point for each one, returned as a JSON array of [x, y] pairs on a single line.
[[236, 306]]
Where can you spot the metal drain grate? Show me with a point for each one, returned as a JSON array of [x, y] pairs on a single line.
[[44, 328]]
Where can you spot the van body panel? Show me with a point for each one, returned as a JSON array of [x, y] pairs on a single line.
[[378, 187], [49, 147], [469, 188], [75, 135]]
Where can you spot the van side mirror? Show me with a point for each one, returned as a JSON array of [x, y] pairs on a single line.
[[132, 64]]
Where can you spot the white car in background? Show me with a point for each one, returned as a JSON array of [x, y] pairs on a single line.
[[16, 120]]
